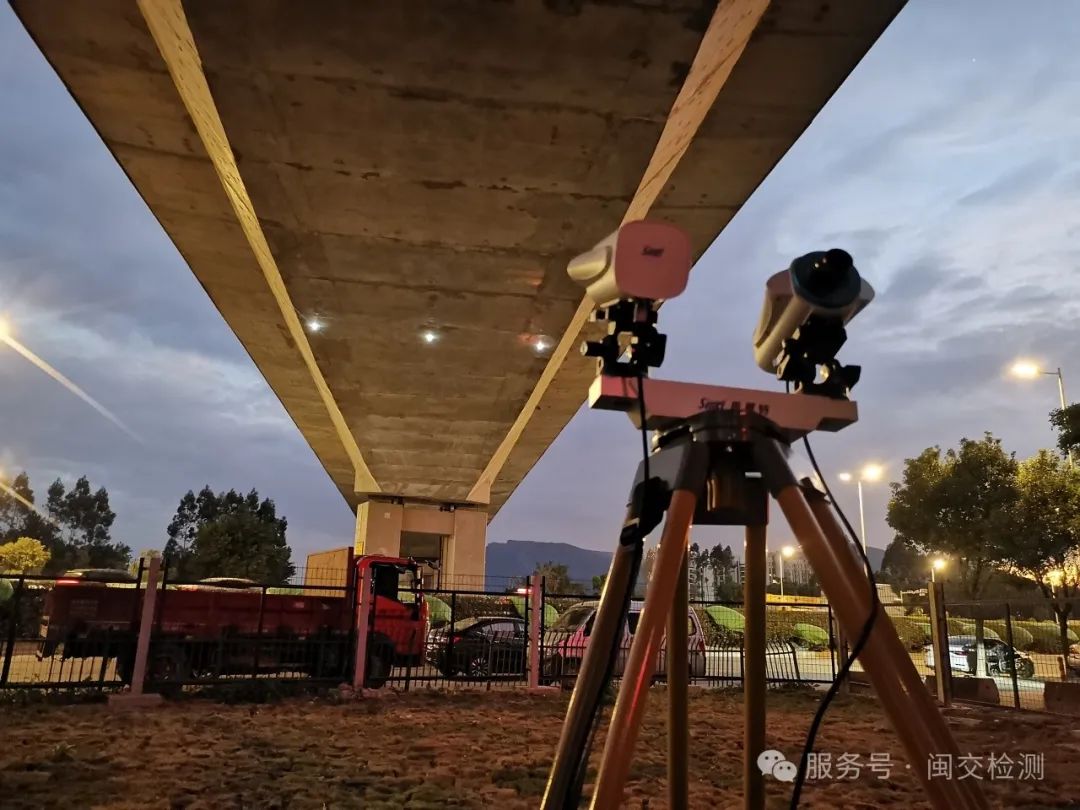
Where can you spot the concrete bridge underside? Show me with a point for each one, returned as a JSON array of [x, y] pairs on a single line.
[[398, 171]]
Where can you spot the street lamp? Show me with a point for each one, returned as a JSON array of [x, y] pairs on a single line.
[[937, 564], [869, 473], [1027, 370], [786, 551]]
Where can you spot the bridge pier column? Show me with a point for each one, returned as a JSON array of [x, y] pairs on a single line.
[[452, 535]]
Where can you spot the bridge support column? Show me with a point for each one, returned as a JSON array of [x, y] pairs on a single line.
[[451, 534]]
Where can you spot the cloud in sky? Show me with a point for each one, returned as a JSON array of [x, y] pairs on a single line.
[[945, 165]]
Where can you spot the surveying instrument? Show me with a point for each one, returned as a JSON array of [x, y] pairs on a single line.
[[718, 454]]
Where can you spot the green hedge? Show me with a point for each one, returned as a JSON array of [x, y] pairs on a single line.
[[728, 618], [1046, 636], [438, 611], [551, 615], [1022, 638], [717, 635], [913, 632], [966, 627], [812, 636]]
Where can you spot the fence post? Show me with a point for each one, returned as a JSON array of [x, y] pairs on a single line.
[[363, 627], [255, 659], [536, 600], [136, 698], [939, 639], [1012, 646], [13, 629]]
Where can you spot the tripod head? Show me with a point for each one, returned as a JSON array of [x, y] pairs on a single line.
[[627, 275], [799, 333], [801, 329]]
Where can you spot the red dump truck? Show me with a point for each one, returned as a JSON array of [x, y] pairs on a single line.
[[203, 632]]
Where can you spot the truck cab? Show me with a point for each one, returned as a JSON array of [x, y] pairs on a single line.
[[398, 617]]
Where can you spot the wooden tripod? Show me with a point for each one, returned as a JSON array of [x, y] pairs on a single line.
[[719, 468]]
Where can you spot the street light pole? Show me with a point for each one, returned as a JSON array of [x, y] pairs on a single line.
[[780, 560], [1061, 396], [862, 518], [1025, 369]]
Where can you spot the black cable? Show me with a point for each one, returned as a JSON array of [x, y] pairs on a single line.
[[574, 796], [864, 636]]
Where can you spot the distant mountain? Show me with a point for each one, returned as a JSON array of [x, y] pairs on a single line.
[[516, 558]]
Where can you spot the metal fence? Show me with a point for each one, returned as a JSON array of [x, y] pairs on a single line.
[[94, 655], [1010, 653], [474, 637], [228, 631], [63, 632], [801, 645]]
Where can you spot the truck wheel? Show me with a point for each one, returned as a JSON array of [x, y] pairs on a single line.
[[1025, 669], [380, 660]]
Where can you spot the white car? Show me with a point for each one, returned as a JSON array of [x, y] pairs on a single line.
[[999, 657]]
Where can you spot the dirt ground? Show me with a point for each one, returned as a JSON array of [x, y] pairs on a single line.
[[470, 750]]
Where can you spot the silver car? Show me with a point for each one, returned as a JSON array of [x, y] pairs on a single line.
[[565, 642]]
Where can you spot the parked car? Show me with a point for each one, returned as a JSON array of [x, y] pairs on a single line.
[[1000, 657], [1072, 660], [565, 642], [479, 647]]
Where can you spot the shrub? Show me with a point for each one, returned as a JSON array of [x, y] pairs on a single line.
[[438, 611], [913, 633], [715, 634], [551, 615], [810, 635], [1022, 638], [728, 618], [1046, 636], [961, 627], [468, 606], [780, 624]]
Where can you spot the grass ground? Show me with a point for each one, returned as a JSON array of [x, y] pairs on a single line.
[[465, 750]]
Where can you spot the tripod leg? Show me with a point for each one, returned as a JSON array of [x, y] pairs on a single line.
[[678, 683], [921, 729], [641, 664], [930, 723], [754, 674], [604, 640]]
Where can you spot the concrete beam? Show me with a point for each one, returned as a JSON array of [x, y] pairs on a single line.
[[728, 33], [168, 25]]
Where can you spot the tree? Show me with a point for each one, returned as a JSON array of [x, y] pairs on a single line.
[[192, 513], [903, 566], [188, 557], [241, 544], [699, 568], [556, 578], [13, 507], [23, 556], [1066, 421], [959, 504], [1045, 541], [598, 583], [721, 560], [86, 519]]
